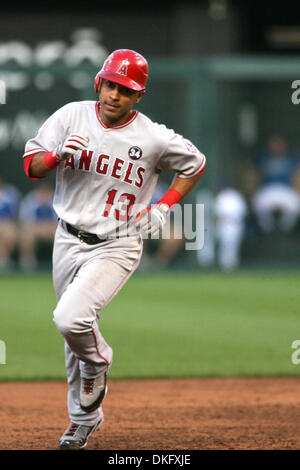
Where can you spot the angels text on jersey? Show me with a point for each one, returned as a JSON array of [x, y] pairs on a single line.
[[107, 165]]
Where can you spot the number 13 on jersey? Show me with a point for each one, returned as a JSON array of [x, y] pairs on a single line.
[[123, 205]]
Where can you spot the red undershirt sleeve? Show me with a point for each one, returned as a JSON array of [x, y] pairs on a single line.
[[26, 163]]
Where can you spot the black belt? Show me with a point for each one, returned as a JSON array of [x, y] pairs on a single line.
[[86, 237]]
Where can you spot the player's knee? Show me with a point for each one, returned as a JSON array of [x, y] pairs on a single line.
[[63, 323], [68, 324]]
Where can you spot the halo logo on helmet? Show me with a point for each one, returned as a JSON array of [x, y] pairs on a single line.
[[125, 67], [123, 70]]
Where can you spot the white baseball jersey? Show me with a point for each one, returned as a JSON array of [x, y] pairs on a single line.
[[100, 188]]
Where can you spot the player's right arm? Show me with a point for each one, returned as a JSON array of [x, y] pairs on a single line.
[[54, 143], [37, 166], [41, 164]]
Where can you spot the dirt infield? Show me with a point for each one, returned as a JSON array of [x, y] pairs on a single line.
[[192, 414]]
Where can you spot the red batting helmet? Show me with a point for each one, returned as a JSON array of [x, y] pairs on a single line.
[[126, 67]]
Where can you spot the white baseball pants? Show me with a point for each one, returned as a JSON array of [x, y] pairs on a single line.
[[86, 277]]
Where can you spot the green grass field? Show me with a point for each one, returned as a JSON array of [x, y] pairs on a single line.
[[163, 325]]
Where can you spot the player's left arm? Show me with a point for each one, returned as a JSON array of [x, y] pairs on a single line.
[[152, 219], [181, 156], [184, 185]]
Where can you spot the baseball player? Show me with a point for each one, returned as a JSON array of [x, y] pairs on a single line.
[[107, 158]]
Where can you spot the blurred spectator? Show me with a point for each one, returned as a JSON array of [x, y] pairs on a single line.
[[230, 213], [9, 204], [277, 195], [38, 222], [160, 253]]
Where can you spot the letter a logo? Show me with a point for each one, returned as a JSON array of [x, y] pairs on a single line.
[[123, 67]]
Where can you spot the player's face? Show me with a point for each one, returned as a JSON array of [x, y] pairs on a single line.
[[116, 102]]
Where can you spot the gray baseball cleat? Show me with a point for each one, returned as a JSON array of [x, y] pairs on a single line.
[[76, 436], [92, 393]]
